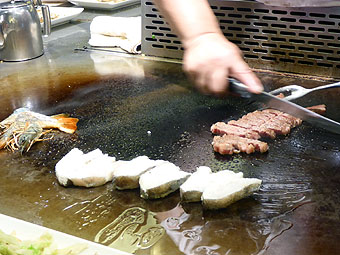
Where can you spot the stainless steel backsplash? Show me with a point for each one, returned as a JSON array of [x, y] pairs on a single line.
[[301, 40]]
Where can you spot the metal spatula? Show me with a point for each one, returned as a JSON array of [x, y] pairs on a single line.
[[297, 91], [274, 102]]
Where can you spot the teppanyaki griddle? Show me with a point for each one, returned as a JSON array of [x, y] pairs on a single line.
[[159, 115]]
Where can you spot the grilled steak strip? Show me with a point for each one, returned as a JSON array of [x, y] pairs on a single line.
[[221, 128], [268, 122], [262, 131], [229, 144], [293, 120], [320, 109], [241, 135]]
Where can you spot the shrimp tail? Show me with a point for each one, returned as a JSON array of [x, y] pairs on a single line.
[[3, 142], [61, 115], [68, 125]]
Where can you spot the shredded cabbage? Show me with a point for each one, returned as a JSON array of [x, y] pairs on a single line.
[[44, 245]]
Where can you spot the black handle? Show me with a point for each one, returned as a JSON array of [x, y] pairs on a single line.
[[239, 88]]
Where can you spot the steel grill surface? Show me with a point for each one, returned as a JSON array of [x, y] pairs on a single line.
[[295, 212]]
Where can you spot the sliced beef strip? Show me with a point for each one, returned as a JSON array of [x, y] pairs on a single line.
[[262, 131], [268, 121], [241, 135], [221, 128], [229, 144], [280, 125], [320, 109], [293, 120]]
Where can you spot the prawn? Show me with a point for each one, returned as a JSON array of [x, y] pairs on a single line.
[[24, 127]]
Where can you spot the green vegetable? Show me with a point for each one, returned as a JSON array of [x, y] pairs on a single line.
[[10, 245]]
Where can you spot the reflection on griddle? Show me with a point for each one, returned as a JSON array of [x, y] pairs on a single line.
[[134, 229]]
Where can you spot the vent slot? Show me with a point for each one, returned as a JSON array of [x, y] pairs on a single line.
[[317, 15], [306, 49], [288, 47], [278, 26], [251, 56], [268, 58], [307, 21], [258, 37], [270, 45], [244, 9], [261, 10], [287, 60], [251, 43], [296, 13]]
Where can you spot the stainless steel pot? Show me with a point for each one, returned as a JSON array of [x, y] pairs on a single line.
[[20, 30]]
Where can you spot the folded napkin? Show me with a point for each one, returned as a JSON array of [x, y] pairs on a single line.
[[122, 32]]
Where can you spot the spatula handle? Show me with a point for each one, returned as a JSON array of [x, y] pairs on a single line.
[[237, 87]]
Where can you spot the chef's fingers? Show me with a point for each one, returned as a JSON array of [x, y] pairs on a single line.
[[198, 72], [199, 79], [211, 81], [241, 71], [217, 82]]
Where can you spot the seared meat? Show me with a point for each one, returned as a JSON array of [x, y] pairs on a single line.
[[268, 121], [254, 126], [223, 128], [264, 123], [320, 109], [242, 135], [289, 118], [230, 144]]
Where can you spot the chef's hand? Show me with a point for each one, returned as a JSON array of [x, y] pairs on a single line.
[[210, 58]]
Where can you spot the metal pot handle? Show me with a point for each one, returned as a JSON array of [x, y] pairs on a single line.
[[47, 20], [2, 38], [45, 10]]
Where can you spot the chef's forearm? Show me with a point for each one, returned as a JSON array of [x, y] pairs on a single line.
[[189, 18]]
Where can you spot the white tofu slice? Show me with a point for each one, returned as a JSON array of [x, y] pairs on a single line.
[[221, 194], [89, 170], [126, 174], [161, 181], [224, 176], [191, 190]]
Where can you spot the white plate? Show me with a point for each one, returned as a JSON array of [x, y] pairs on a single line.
[[95, 4], [28, 231], [61, 15]]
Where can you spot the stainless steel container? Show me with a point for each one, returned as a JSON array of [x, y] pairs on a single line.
[[21, 32]]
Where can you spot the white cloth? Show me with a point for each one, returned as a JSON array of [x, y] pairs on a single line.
[[122, 32]]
